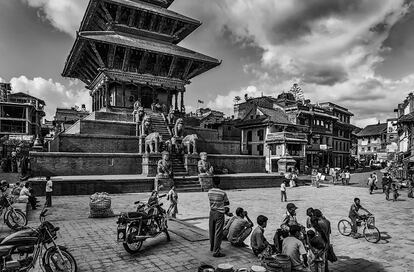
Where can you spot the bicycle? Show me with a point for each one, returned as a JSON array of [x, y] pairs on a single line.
[[370, 232]]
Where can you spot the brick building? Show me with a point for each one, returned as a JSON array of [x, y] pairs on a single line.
[[372, 143]]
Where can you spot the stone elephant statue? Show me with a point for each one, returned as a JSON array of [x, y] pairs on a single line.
[[189, 144], [153, 142]]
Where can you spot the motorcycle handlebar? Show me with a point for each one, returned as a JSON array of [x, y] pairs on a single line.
[[43, 213], [163, 195]]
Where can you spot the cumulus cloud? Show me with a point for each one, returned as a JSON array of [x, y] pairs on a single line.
[[64, 15], [54, 93], [331, 48]]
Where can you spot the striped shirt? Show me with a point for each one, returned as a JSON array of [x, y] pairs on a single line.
[[218, 200]]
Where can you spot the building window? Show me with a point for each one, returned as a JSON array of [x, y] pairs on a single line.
[[369, 140], [249, 136], [260, 134], [369, 148], [260, 149], [362, 149]]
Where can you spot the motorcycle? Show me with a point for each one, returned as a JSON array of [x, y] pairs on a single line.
[[21, 250], [149, 221], [14, 218]]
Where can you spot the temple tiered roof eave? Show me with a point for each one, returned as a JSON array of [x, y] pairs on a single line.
[[129, 41], [161, 3], [89, 18]]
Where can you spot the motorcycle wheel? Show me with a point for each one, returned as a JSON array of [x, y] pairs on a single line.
[[132, 248], [15, 219], [52, 261]]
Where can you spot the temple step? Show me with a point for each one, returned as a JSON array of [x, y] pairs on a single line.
[[187, 184]]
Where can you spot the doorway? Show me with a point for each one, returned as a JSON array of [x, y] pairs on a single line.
[[146, 97]]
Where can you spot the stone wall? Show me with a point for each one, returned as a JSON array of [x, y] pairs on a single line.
[[93, 185], [73, 164], [231, 182], [95, 144], [238, 163], [219, 147], [94, 127]]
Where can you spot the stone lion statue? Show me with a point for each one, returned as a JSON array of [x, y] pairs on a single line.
[[146, 126], [153, 142], [189, 144], [179, 128]]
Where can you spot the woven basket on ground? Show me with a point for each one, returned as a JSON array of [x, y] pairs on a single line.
[[100, 206]]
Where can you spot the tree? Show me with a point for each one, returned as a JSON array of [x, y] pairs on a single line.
[[236, 99], [297, 91]]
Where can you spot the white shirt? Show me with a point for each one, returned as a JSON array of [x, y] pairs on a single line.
[[347, 175], [283, 187], [25, 192], [49, 186]]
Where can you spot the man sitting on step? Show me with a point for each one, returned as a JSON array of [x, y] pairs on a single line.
[[239, 228]]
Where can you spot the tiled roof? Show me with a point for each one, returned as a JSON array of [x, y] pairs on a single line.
[[146, 44], [153, 8], [275, 115], [373, 130], [406, 118]]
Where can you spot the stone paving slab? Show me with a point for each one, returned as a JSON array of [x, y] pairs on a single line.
[[92, 241]]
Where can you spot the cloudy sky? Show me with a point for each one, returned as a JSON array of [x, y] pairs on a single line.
[[357, 53]]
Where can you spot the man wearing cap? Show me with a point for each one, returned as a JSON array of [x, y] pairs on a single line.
[[295, 249], [289, 218], [218, 207]]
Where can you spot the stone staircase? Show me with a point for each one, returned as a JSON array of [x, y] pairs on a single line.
[[158, 124], [177, 161], [187, 184]]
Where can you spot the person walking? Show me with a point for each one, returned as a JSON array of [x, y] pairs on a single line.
[[343, 177], [25, 194], [410, 185], [219, 203], [49, 191], [347, 177], [375, 178], [370, 183], [173, 198], [283, 196], [395, 193]]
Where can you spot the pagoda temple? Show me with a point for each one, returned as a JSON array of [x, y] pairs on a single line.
[[126, 51]]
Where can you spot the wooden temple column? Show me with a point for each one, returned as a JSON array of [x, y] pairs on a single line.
[[107, 94], [176, 101], [182, 109], [93, 102]]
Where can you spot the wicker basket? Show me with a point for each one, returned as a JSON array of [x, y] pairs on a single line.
[[100, 206]]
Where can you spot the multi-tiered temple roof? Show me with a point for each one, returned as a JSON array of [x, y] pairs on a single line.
[[135, 40]]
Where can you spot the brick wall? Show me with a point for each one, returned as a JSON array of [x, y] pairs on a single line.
[[219, 147], [91, 186], [248, 182], [102, 128], [95, 144], [73, 164], [238, 163]]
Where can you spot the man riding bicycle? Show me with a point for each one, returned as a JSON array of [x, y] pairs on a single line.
[[354, 216]]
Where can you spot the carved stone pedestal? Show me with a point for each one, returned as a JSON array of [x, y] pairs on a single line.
[[190, 164], [149, 164], [206, 182], [286, 163], [165, 182], [141, 144]]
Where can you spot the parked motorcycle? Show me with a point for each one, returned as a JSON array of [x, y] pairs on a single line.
[[14, 218], [21, 250], [149, 221]]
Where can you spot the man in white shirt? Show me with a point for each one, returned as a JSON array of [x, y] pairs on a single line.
[[25, 193], [49, 190]]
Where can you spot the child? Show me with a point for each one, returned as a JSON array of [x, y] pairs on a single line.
[[49, 190], [316, 253], [395, 191], [283, 191], [173, 198]]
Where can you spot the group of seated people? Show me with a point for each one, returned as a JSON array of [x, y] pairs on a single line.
[[306, 246], [20, 191]]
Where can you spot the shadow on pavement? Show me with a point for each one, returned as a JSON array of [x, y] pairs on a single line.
[[345, 263], [384, 238]]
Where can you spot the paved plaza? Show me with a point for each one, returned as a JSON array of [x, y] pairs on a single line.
[[92, 241]]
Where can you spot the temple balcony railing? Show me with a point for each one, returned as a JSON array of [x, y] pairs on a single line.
[[286, 137]]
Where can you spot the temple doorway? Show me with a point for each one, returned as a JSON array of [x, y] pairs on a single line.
[[146, 97]]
